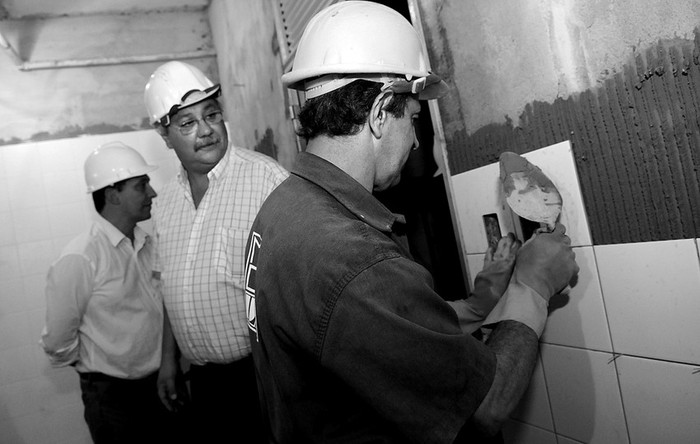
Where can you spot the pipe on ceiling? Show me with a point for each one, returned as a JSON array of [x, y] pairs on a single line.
[[104, 61]]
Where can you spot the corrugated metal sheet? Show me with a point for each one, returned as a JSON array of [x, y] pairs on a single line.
[[294, 15]]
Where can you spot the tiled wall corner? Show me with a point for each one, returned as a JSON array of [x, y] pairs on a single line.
[[652, 297]]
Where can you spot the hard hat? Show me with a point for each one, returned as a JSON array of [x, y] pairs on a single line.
[[176, 85], [354, 40], [111, 163]]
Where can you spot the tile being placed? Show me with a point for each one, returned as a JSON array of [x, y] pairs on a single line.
[[477, 193], [577, 316], [652, 299], [584, 394], [662, 400]]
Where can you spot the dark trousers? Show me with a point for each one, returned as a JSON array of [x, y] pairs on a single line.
[[126, 410], [225, 402]]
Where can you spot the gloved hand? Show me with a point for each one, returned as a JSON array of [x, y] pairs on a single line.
[[546, 263]]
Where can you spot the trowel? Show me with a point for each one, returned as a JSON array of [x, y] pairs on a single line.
[[528, 191]]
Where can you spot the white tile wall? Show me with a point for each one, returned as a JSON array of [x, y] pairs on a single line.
[[43, 204], [652, 295], [584, 394], [662, 400], [515, 432], [620, 355], [577, 317]]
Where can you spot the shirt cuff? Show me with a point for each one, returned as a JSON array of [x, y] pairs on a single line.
[[522, 304]]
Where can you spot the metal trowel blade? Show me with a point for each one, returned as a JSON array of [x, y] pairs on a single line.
[[528, 191]]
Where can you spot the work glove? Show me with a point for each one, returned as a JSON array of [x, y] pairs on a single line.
[[546, 263]]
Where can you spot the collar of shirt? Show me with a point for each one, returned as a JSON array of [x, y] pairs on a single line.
[[115, 236], [347, 191]]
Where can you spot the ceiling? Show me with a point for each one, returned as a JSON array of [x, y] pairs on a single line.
[[18, 9]]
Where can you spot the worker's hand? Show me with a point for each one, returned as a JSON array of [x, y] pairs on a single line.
[[546, 263], [491, 282], [171, 387]]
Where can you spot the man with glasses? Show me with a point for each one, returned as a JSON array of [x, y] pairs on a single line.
[[202, 221]]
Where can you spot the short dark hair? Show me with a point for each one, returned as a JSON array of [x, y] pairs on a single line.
[[344, 111], [98, 196]]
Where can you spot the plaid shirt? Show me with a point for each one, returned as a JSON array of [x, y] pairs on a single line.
[[201, 252]]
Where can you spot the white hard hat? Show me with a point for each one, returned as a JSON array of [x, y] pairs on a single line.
[[111, 163], [355, 40], [176, 85]]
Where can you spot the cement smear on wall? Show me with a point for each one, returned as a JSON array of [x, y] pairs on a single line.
[[636, 140]]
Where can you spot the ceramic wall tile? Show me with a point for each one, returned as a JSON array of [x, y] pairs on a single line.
[[477, 193], [475, 263], [35, 257], [515, 432], [662, 400], [68, 219], [652, 299], [7, 233], [32, 224], [64, 187], [534, 408], [9, 261], [584, 394], [577, 317], [565, 440]]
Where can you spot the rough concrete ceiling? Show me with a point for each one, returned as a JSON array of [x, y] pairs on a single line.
[[17, 9]]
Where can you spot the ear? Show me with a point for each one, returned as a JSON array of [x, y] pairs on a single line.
[[163, 132], [378, 115], [112, 196]]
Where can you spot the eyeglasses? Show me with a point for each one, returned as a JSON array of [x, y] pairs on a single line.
[[189, 125]]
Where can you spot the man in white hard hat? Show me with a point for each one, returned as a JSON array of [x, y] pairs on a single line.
[[350, 340], [104, 309], [202, 219]]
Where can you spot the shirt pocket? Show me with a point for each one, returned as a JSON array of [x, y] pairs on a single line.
[[232, 254]]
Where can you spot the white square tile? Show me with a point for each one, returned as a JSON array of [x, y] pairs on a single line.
[[9, 262], [7, 232], [20, 160], [534, 408], [35, 257], [26, 191], [11, 296], [4, 194], [584, 394], [33, 296], [26, 429], [68, 219], [32, 224], [64, 187], [58, 155], [652, 297], [478, 192], [662, 400], [68, 426], [14, 331], [18, 364], [515, 432], [577, 317], [19, 399]]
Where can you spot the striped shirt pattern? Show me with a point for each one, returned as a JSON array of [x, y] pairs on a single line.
[[201, 254]]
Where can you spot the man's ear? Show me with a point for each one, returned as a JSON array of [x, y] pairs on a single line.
[[112, 196], [163, 132], [378, 115]]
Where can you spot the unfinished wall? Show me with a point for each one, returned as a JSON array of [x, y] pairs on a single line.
[[250, 70], [61, 102], [620, 79]]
